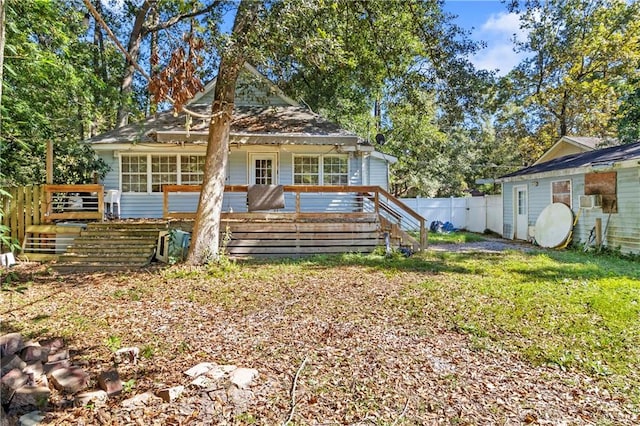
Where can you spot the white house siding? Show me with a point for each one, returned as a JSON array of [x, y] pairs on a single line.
[[150, 205], [378, 172], [623, 229], [249, 94]]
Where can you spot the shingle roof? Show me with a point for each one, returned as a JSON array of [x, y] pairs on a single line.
[[247, 120], [612, 154]]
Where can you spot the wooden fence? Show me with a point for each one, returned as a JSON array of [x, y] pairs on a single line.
[[21, 208]]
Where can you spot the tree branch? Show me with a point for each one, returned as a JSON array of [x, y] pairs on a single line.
[[177, 18], [293, 392]]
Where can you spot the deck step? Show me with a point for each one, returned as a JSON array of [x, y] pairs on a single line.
[[111, 246]]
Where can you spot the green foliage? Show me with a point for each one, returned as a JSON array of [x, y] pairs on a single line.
[[113, 343], [582, 57], [454, 238], [50, 92]]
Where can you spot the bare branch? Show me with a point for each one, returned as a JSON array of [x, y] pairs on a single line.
[[293, 392], [177, 18]]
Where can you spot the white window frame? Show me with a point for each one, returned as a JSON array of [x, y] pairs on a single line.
[[570, 190], [149, 168], [321, 174], [273, 156]]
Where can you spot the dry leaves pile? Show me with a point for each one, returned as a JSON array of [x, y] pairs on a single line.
[[371, 358]]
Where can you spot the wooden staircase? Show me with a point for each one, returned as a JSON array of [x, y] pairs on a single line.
[[111, 246]]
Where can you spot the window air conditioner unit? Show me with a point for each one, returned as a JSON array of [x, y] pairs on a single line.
[[590, 201]]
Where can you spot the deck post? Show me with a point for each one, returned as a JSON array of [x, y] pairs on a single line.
[[297, 201], [423, 235], [376, 202]]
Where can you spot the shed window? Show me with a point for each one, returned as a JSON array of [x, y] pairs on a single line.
[[321, 170], [164, 171], [561, 192]]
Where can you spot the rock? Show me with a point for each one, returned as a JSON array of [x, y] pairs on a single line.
[[35, 370], [199, 369], [11, 381], [70, 380], [126, 355], [241, 399], [59, 355], [4, 421], [10, 362], [33, 418], [31, 396], [203, 382], [98, 398], [34, 353], [54, 345], [170, 394], [50, 367], [10, 344], [14, 379], [243, 377], [139, 400], [220, 371], [110, 382]]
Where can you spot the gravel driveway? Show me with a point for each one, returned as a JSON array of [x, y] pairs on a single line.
[[490, 245]]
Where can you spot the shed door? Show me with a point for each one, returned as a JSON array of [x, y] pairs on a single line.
[[521, 212], [263, 169]]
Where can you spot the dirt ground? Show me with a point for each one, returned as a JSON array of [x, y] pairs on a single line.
[[344, 345]]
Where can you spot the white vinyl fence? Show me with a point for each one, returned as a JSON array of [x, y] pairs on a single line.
[[475, 214]]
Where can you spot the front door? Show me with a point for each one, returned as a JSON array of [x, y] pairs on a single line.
[[263, 169], [521, 213]]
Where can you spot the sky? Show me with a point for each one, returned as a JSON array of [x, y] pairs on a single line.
[[489, 20]]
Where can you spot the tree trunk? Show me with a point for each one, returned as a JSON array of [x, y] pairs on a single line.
[[2, 36], [133, 48], [206, 229]]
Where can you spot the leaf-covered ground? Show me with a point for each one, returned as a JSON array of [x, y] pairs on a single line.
[[366, 345]]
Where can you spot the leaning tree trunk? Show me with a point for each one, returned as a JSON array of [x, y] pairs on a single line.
[[206, 229]]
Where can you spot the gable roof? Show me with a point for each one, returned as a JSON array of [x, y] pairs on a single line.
[[569, 145], [605, 157], [268, 121], [262, 114]]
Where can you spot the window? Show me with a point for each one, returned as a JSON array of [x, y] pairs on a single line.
[[163, 171], [147, 173], [336, 170], [561, 192], [191, 169], [134, 173], [306, 170], [321, 170]]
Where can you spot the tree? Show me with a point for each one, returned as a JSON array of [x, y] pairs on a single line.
[[50, 93], [581, 55]]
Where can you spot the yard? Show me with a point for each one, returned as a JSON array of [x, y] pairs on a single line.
[[439, 338]]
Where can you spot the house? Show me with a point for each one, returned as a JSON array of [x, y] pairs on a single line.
[[601, 185], [568, 145], [274, 141]]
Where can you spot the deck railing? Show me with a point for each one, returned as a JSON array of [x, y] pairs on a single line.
[[73, 202], [310, 200]]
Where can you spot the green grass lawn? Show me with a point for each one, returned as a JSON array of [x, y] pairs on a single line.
[[576, 312], [570, 309], [454, 237]]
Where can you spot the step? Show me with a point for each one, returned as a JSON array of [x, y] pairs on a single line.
[[108, 247], [117, 233], [129, 225], [67, 268], [140, 259]]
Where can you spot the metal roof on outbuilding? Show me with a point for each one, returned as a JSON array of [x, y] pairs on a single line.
[[604, 157]]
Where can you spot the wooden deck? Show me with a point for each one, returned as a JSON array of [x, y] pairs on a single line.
[[358, 219]]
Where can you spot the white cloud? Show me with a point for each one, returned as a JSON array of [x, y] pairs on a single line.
[[498, 32]]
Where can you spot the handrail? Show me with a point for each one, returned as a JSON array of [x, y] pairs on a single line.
[[94, 212], [376, 192]]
